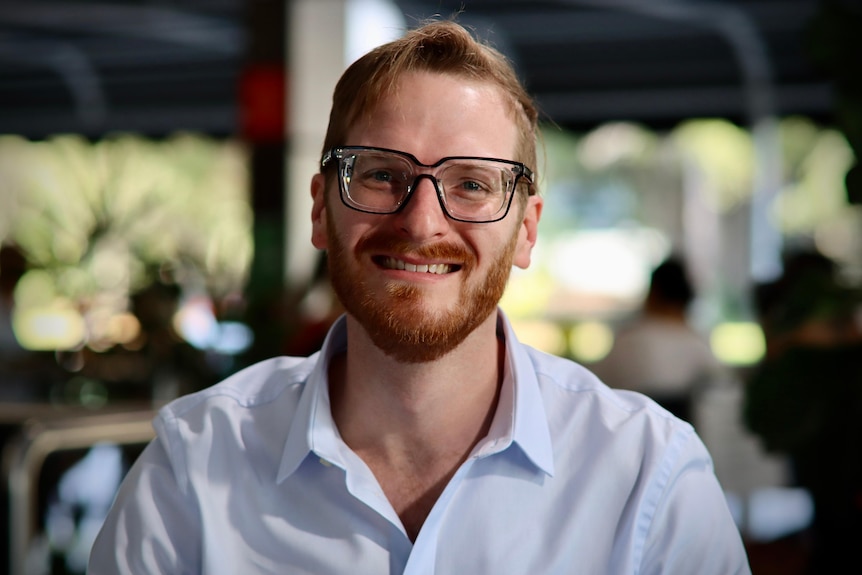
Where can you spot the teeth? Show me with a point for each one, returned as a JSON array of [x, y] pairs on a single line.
[[396, 264]]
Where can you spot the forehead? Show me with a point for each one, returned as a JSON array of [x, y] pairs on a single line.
[[433, 115]]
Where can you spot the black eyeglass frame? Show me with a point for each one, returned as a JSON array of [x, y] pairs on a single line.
[[340, 152]]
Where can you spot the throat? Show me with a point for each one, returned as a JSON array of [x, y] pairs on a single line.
[[412, 498]]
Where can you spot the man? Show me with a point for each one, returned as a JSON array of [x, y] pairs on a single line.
[[659, 353], [804, 399], [423, 438]]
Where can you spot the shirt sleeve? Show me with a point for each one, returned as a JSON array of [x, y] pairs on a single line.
[[153, 525], [692, 530]]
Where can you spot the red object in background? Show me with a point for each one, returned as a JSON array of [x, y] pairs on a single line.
[[263, 103]]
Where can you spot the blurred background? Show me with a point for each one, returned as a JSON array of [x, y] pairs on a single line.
[[155, 158]]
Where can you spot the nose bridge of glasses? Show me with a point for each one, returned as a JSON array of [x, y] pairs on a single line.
[[430, 175]]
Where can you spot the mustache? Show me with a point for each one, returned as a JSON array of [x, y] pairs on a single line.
[[447, 251]]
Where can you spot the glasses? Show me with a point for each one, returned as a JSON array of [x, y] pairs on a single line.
[[469, 189]]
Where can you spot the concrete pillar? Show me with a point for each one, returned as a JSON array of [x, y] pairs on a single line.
[[325, 36]]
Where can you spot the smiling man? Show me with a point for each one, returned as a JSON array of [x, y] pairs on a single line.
[[423, 438], [417, 281]]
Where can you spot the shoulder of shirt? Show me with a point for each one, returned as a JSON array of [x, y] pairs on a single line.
[[254, 385], [576, 379]]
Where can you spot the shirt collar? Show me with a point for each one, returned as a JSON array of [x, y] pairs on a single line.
[[520, 417], [521, 403], [312, 428]]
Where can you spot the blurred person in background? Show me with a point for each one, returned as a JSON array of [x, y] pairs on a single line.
[[170, 366], [805, 400], [423, 437], [659, 353], [24, 375], [12, 268]]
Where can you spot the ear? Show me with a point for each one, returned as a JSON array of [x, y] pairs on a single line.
[[528, 231], [318, 211]]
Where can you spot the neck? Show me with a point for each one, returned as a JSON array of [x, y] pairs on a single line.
[[414, 424], [448, 401], [667, 311]]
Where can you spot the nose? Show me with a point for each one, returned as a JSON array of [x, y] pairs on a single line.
[[422, 217]]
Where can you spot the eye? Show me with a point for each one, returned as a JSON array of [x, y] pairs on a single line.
[[472, 186], [471, 181], [381, 171], [381, 176]]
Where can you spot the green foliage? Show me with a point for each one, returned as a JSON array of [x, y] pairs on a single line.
[[101, 219]]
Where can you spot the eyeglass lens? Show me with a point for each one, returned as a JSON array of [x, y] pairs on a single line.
[[471, 189]]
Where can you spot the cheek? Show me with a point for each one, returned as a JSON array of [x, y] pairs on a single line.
[[344, 234], [489, 249]]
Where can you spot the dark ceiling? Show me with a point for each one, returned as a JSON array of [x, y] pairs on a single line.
[[656, 61], [158, 66]]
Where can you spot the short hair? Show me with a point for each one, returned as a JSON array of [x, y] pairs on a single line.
[[443, 47], [669, 282], [809, 288]]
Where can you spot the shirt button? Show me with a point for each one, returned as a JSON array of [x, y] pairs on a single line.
[[325, 463]]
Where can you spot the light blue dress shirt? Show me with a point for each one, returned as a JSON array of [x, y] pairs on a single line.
[[250, 477]]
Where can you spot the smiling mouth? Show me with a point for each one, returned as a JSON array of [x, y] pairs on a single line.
[[396, 264]]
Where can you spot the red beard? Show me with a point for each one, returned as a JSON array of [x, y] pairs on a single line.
[[397, 321]]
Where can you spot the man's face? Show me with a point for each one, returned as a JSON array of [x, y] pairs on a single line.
[[417, 281]]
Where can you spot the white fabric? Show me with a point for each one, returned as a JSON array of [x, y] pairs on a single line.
[[658, 357], [250, 477]]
